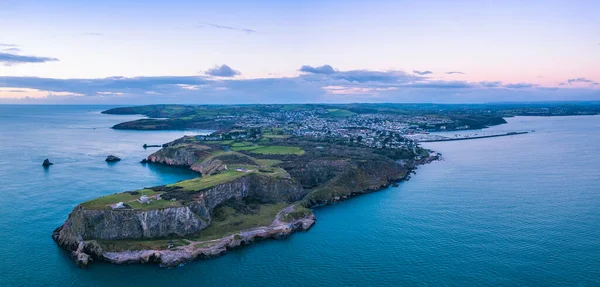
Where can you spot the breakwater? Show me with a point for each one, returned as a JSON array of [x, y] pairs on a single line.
[[475, 137]]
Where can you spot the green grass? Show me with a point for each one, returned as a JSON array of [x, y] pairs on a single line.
[[209, 181], [124, 245], [241, 144], [154, 204], [227, 220], [267, 162], [278, 150], [276, 136], [340, 113], [265, 170], [246, 148], [225, 142], [299, 212], [274, 172], [126, 197]]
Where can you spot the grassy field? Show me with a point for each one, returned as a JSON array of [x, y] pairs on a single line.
[[154, 204], [246, 148], [340, 113], [299, 212], [276, 136], [241, 144], [103, 202], [225, 142], [267, 162], [209, 181], [278, 150], [227, 220]]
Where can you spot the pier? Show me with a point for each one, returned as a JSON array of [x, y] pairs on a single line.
[[472, 138]]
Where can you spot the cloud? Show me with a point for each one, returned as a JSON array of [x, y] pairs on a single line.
[[455, 72], [12, 50], [13, 59], [91, 87], [222, 71], [422, 73], [367, 76], [7, 45], [494, 84], [229, 28], [519, 86], [94, 34], [316, 84], [579, 80], [325, 69], [441, 85]]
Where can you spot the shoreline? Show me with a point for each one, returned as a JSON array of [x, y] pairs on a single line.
[[84, 252], [474, 138]]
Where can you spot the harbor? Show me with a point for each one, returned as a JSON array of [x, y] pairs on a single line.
[[443, 139]]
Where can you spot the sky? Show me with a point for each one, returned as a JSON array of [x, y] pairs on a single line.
[[264, 51]]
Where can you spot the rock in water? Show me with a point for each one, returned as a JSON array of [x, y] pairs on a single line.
[[47, 163], [112, 158], [144, 161]]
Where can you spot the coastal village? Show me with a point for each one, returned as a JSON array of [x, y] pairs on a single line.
[[370, 130]]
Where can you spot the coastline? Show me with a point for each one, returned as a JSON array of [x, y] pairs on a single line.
[[474, 138], [84, 252]]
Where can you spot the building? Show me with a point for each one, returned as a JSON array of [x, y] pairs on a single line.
[[144, 199]]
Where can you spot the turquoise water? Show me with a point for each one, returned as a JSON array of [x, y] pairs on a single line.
[[521, 210]]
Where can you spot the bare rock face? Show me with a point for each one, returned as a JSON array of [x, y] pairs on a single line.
[[112, 158], [180, 155], [214, 248], [209, 167], [81, 258], [109, 224], [84, 226]]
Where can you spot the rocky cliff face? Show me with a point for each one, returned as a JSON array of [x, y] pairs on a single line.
[[195, 214], [137, 224], [178, 155], [194, 156]]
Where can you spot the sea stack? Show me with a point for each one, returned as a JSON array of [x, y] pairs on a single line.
[[47, 163], [112, 158]]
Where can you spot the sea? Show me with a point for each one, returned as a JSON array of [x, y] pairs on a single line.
[[520, 210]]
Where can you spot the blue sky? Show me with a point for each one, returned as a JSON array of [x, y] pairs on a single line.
[[128, 52]]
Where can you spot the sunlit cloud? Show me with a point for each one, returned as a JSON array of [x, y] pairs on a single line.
[[314, 84]]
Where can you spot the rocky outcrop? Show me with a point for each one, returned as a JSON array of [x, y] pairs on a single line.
[[208, 167], [180, 155], [86, 225], [47, 163], [112, 158], [210, 249], [115, 224], [86, 251]]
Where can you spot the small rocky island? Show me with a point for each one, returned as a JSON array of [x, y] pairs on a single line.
[[47, 163], [112, 158], [254, 183]]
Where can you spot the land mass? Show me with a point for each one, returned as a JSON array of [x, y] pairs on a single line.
[[260, 174], [254, 183]]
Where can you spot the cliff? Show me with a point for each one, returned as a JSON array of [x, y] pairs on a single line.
[[88, 222], [241, 197]]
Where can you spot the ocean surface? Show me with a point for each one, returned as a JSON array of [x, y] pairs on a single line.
[[510, 211]]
